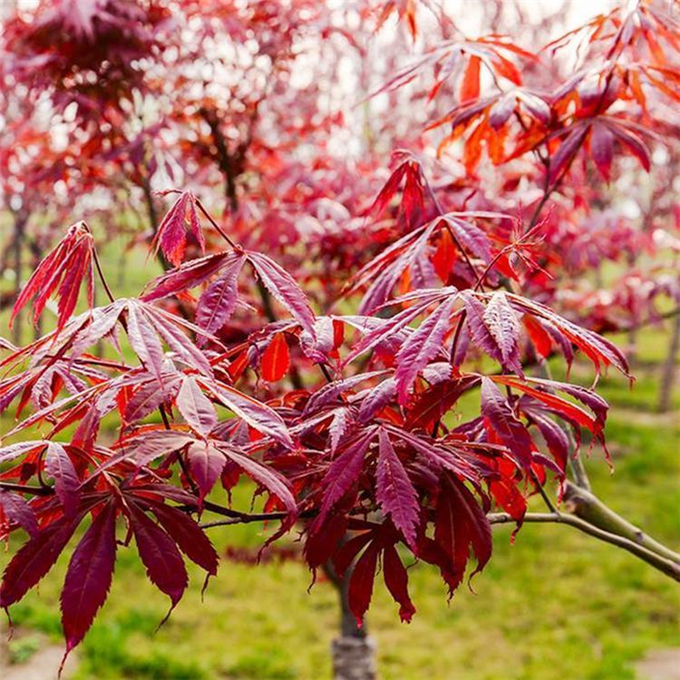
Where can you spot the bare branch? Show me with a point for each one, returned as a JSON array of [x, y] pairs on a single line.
[[23, 488], [667, 566], [591, 509]]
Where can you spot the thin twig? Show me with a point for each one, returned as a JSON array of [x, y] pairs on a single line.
[[219, 229], [32, 490], [102, 278], [541, 490], [667, 566]]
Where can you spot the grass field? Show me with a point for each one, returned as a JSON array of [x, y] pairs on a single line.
[[554, 604]]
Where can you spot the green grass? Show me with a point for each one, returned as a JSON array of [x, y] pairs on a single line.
[[554, 603]]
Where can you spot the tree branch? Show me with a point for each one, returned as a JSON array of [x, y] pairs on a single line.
[[591, 509], [591, 517], [32, 490], [237, 517], [663, 564]]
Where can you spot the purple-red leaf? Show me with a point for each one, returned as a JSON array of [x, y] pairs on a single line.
[[479, 332], [35, 559], [263, 475], [195, 407], [432, 404], [58, 464], [16, 509], [421, 347], [144, 341], [188, 535], [275, 359], [284, 288], [503, 324], [159, 554], [89, 576], [360, 588], [567, 152], [394, 490], [205, 465], [258, 415], [218, 302], [188, 275], [180, 220], [63, 270], [503, 426], [602, 149], [148, 397], [396, 580], [344, 472], [459, 525]]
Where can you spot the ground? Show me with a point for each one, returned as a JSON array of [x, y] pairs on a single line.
[[554, 603]]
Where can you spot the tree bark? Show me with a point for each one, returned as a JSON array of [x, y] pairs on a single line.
[[150, 205], [4, 646], [669, 369], [353, 658], [353, 651]]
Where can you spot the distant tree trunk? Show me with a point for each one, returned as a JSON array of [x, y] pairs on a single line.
[[632, 349], [37, 256], [4, 647], [19, 235], [152, 214], [122, 270], [150, 205], [353, 651], [669, 368]]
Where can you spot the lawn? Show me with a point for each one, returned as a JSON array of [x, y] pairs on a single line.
[[554, 603]]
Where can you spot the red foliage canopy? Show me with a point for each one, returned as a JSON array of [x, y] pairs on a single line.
[[363, 450]]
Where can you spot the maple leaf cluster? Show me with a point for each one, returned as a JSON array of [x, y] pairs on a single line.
[[445, 305], [368, 451]]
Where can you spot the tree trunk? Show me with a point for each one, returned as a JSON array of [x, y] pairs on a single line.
[[152, 214], [632, 348], [36, 259], [150, 205], [353, 658], [669, 368], [353, 651], [4, 646], [19, 233]]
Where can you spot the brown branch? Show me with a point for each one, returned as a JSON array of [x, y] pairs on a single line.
[[546, 499], [578, 469], [237, 517], [243, 518], [32, 490], [619, 532]]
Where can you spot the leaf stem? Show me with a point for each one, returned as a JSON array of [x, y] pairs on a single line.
[[100, 272], [546, 499], [217, 227]]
